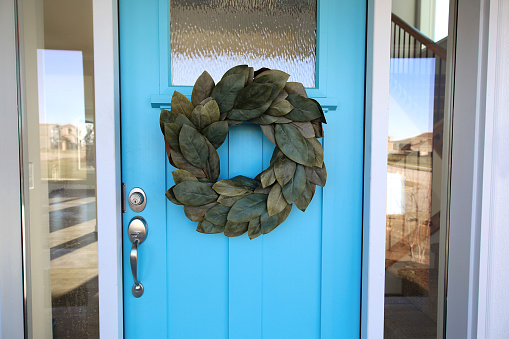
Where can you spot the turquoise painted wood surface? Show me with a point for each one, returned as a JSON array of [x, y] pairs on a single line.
[[302, 280]]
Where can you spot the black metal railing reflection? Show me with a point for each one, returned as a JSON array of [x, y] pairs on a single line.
[[409, 42]]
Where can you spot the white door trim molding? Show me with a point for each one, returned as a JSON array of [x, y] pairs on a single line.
[[375, 167], [492, 318], [11, 278], [469, 153], [108, 164]]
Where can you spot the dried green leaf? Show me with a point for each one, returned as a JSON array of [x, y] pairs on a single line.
[[180, 162], [206, 100], [181, 175], [296, 88], [251, 76], [269, 223], [282, 120], [248, 182], [316, 175], [230, 188], [275, 155], [171, 196], [216, 133], [292, 144], [234, 122], [202, 88], [217, 214], [254, 228], [239, 69], [226, 91], [302, 202], [322, 115], [209, 228], [268, 177], [204, 115], [229, 201], [262, 190], [284, 169], [276, 202], [251, 102], [235, 229], [305, 128], [275, 77], [252, 96], [294, 188], [166, 117], [171, 135], [268, 131], [248, 208], [281, 96], [194, 193], [305, 109], [264, 119], [193, 146], [180, 104], [182, 120], [317, 126], [212, 167], [197, 213], [282, 108], [318, 150], [311, 153]]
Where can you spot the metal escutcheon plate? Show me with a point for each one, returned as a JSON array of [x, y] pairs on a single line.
[[137, 229], [137, 290], [137, 199]]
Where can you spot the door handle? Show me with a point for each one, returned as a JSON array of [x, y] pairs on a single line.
[[137, 231]]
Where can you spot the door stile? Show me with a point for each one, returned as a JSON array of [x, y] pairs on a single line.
[[245, 255], [143, 155]]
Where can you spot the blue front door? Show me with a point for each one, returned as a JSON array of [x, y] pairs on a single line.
[[303, 280]]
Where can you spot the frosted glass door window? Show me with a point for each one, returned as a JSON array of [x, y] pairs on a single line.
[[215, 35]]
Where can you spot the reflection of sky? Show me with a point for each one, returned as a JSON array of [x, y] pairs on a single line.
[[61, 86], [411, 97], [395, 193]]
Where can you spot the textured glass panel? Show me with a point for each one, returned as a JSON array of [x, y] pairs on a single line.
[[215, 35]]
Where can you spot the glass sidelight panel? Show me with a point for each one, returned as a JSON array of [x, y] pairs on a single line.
[[413, 290], [57, 110], [215, 35]]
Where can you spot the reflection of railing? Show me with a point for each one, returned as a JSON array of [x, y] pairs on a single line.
[[408, 42]]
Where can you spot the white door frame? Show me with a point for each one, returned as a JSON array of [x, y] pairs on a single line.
[[11, 273], [466, 308], [375, 167], [108, 168]]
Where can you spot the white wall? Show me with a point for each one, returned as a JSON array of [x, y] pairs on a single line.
[[497, 292]]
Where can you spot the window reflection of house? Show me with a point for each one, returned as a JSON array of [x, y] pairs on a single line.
[[56, 137], [422, 143], [67, 151]]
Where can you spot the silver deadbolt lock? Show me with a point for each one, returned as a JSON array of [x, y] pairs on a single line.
[[137, 199]]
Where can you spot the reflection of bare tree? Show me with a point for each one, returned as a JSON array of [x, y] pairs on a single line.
[[418, 210], [418, 238]]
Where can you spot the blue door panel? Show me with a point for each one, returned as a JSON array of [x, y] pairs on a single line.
[[303, 279]]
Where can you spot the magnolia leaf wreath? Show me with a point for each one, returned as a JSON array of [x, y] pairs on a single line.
[[195, 128]]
